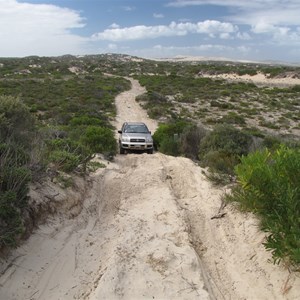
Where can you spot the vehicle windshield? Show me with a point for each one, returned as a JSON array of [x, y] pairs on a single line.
[[136, 129]]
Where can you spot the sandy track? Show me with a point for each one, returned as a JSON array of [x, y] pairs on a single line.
[[145, 232], [129, 110]]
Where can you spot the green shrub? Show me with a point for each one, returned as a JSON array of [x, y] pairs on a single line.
[[10, 219], [155, 103], [254, 132], [296, 88], [220, 161], [220, 104], [155, 97], [222, 147], [217, 178], [85, 120], [65, 180], [169, 146], [16, 134], [95, 165], [64, 160], [99, 140], [269, 186], [190, 140], [156, 112], [233, 118], [16, 122], [250, 72], [268, 124], [78, 145], [166, 137], [16, 178], [271, 142]]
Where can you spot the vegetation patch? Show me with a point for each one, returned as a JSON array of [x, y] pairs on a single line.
[[220, 150], [16, 142], [182, 94], [268, 185]]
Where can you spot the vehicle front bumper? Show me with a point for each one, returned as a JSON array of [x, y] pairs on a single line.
[[136, 146]]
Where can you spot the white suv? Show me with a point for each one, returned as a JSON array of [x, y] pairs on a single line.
[[135, 136]]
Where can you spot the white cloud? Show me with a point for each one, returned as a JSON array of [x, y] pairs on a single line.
[[263, 27], [277, 18], [284, 12], [280, 35], [158, 16], [114, 26], [206, 50], [276, 15], [225, 36], [112, 46], [244, 49], [233, 3], [213, 27], [40, 29], [133, 33], [243, 36], [209, 27], [128, 8]]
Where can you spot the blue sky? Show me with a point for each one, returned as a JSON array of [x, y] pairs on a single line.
[[256, 30]]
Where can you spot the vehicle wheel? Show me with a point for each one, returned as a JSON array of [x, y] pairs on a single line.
[[150, 151], [122, 151]]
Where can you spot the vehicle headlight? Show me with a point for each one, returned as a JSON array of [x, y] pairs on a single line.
[[148, 139], [125, 139]]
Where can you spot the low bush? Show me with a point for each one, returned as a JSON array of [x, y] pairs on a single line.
[[179, 138], [170, 146], [76, 146], [271, 142], [166, 137], [221, 104], [16, 121], [16, 133], [64, 160], [190, 140], [221, 149], [10, 219], [233, 118], [220, 161], [268, 124], [268, 185], [85, 120], [99, 140]]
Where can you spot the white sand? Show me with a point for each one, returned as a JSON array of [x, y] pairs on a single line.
[[145, 232], [258, 79]]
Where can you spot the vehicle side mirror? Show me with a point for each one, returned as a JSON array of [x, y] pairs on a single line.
[[120, 131], [149, 131]]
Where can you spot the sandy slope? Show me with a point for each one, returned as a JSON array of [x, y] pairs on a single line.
[[145, 232], [258, 79]]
